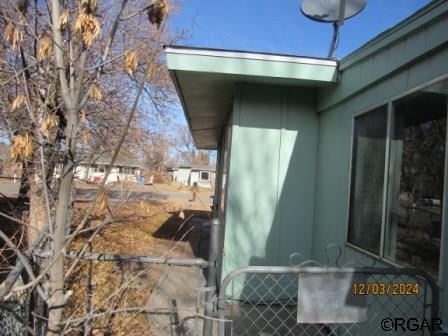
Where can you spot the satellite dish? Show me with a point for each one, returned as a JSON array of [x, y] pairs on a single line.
[[332, 11], [329, 10]]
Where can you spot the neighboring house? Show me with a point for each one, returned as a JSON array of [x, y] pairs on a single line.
[[189, 174], [313, 152], [125, 170]]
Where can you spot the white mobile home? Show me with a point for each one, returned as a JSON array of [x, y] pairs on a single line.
[[189, 174]]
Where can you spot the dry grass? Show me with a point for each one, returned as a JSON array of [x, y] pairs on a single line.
[[120, 285], [173, 187], [156, 187]]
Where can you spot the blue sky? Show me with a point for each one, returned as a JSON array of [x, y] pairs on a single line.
[[277, 26]]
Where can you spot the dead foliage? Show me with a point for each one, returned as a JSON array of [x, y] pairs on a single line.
[[157, 12], [130, 62], [89, 6], [102, 201], [17, 103], [95, 93], [63, 20], [21, 147], [113, 285], [49, 124], [88, 26], [13, 35], [44, 47]]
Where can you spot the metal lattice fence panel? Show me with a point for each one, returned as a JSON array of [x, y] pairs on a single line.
[[11, 315], [325, 301]]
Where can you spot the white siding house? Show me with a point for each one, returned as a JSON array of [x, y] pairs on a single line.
[[124, 170], [96, 173], [189, 174]]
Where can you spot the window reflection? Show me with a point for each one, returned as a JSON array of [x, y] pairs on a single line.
[[417, 178]]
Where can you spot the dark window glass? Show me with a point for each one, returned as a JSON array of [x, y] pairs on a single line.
[[204, 176], [417, 178], [367, 181]]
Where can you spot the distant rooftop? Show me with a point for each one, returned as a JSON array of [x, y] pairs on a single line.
[[120, 161], [194, 166]]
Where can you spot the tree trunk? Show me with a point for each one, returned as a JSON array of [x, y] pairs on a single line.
[[38, 214], [22, 198], [57, 296], [61, 223]]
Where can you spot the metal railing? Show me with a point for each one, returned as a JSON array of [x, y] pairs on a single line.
[[323, 300]]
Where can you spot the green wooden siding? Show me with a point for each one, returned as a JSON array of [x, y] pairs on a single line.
[[291, 149], [270, 207], [398, 57], [334, 146]]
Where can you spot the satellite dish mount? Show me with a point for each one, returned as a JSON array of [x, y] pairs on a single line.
[[332, 11]]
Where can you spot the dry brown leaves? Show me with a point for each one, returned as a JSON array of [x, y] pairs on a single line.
[[49, 124], [95, 93], [102, 201], [21, 147], [152, 70], [63, 20], [85, 137], [130, 62], [145, 207], [44, 47], [83, 117], [17, 103], [157, 12], [135, 233], [13, 35], [22, 6], [88, 26], [133, 237], [89, 5]]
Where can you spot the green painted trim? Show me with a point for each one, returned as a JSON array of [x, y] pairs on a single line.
[[425, 15], [252, 67]]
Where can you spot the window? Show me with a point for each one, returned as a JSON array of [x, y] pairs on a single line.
[[127, 170], [417, 179], [366, 200], [406, 227], [205, 176]]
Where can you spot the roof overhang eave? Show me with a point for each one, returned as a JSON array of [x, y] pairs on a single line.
[[204, 80]]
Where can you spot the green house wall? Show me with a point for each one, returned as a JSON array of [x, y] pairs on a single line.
[[367, 81], [270, 200], [290, 150]]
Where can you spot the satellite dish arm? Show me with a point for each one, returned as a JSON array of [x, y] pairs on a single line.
[[341, 12], [334, 41], [336, 27]]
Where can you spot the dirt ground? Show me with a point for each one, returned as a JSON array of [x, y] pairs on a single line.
[[144, 229], [160, 187]]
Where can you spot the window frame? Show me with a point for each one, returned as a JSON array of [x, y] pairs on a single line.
[[351, 167], [200, 175], [387, 181]]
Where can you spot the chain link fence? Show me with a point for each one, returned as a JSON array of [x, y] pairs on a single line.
[[176, 305], [13, 314], [324, 301]]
